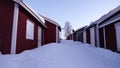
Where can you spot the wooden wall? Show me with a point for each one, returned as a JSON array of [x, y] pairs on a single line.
[[6, 22], [49, 33]]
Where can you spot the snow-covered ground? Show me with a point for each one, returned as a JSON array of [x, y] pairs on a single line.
[[67, 54]]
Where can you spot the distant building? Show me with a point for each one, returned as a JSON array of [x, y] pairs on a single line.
[[104, 32]]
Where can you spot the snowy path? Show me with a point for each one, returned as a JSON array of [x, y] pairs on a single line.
[[67, 54]]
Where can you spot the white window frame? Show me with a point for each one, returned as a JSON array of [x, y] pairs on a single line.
[[29, 30]]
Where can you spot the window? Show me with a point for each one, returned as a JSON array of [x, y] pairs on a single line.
[[30, 30]]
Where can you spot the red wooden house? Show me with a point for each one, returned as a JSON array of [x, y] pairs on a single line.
[[20, 27], [51, 34]]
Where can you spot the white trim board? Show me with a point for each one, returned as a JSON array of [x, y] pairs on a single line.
[[107, 23], [117, 27], [84, 36], [104, 37], [97, 36], [14, 29], [39, 36], [92, 36], [108, 14], [57, 31]]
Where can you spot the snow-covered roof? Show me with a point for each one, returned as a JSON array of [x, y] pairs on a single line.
[[83, 28], [92, 24], [31, 11], [50, 20], [104, 17]]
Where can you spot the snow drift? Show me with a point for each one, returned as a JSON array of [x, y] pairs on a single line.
[[67, 54]]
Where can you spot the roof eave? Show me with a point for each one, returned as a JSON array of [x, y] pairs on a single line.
[[106, 16], [21, 3], [50, 20]]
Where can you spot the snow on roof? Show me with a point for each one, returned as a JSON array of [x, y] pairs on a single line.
[[50, 20], [41, 18], [81, 28], [31, 11], [104, 17]]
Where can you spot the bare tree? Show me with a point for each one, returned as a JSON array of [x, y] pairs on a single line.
[[67, 29]]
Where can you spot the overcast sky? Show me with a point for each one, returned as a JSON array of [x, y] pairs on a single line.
[[79, 12]]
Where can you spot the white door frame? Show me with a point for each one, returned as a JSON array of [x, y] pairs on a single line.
[[104, 35], [39, 36], [92, 36], [57, 34], [97, 36], [117, 27], [84, 36]]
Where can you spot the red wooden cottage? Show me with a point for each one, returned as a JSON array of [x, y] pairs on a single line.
[[20, 27], [51, 34], [109, 30]]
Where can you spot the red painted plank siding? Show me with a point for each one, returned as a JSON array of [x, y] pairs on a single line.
[[22, 42], [88, 36], [101, 37], [82, 37], [111, 37], [6, 22], [43, 36], [50, 33]]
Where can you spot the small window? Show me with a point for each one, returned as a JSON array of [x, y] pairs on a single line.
[[30, 30]]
